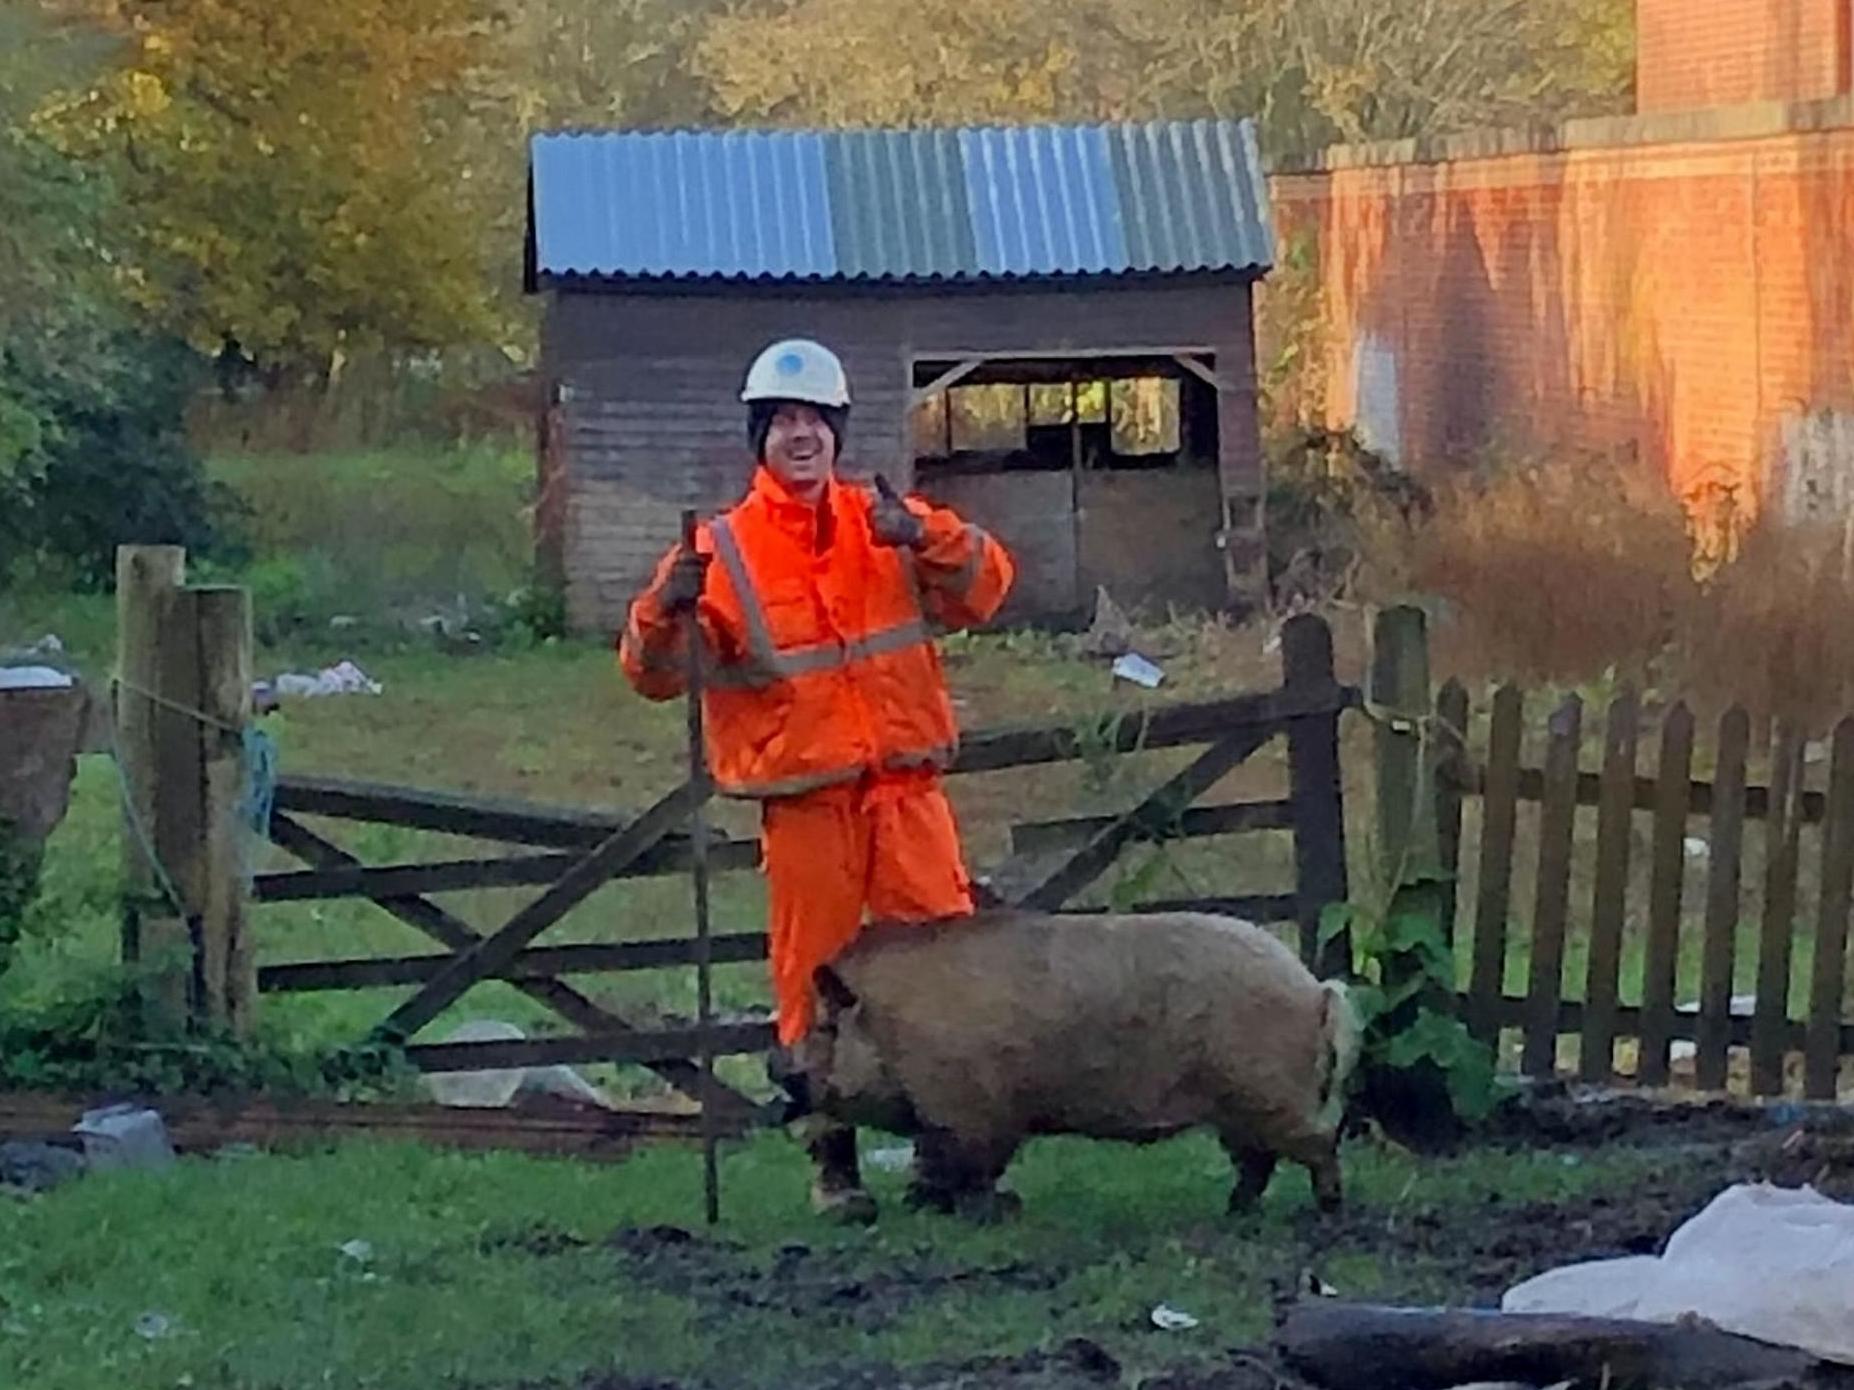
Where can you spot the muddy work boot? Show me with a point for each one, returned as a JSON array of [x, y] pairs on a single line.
[[837, 1193]]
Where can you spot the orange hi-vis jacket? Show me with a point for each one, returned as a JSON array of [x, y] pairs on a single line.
[[819, 639]]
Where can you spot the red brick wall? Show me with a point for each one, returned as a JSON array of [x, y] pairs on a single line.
[[1688, 298], [1694, 53]]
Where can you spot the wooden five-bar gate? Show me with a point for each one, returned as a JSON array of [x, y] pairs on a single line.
[[578, 852]]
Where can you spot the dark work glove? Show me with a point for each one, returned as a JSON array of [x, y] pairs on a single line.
[[687, 576], [890, 521]]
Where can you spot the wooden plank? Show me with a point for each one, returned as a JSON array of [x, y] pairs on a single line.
[[1040, 837], [1494, 892], [575, 886], [1513, 1012], [1048, 891], [1167, 727], [1828, 982], [663, 1045], [412, 880], [1719, 952], [427, 917], [1782, 853], [1667, 889], [1609, 894], [1556, 822], [227, 956], [1811, 806], [541, 963], [1452, 716], [1316, 791], [416, 808], [204, 1124]]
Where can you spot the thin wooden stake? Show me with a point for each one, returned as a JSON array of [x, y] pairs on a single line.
[[1782, 831], [698, 872], [1723, 904], [1557, 821], [1493, 898], [1828, 985], [1615, 817], [1673, 791]]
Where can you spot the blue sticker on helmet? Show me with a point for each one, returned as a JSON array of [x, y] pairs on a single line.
[[791, 364]]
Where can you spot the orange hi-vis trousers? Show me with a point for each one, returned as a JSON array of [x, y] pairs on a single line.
[[887, 845]]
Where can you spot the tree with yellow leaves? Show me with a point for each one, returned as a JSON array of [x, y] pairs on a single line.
[[302, 175]]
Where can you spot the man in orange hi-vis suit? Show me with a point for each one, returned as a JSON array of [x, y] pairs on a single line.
[[824, 699]]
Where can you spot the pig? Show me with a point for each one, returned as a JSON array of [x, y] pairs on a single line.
[[974, 1035]]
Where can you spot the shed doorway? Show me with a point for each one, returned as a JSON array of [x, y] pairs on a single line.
[[1094, 472]]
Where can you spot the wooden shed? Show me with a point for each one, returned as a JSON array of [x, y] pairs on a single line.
[[1050, 328]]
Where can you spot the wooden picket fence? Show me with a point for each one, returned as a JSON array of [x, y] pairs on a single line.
[[1745, 915]]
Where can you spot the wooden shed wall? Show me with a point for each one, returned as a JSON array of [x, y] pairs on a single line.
[[651, 421]]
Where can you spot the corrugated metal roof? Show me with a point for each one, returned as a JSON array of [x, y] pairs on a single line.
[[1005, 202]]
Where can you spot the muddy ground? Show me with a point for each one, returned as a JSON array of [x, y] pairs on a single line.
[[1481, 1252]]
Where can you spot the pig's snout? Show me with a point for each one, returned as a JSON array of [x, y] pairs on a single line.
[[795, 1082]]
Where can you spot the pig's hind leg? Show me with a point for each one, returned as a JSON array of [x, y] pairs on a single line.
[[1254, 1168], [958, 1175]]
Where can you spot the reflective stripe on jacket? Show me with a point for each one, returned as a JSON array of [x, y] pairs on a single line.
[[821, 661]]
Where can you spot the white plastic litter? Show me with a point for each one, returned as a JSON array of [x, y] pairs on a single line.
[[485, 1090], [124, 1136], [1774, 1264], [1169, 1319], [891, 1160], [1134, 667], [343, 678], [34, 678]]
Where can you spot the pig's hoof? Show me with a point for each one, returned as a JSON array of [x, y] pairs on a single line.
[[923, 1198], [988, 1208], [844, 1206]]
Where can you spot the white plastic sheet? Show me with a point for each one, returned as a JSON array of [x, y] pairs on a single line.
[[494, 1089], [1770, 1263]]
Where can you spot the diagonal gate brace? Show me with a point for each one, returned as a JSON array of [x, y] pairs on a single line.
[[494, 953], [555, 995], [1088, 863]]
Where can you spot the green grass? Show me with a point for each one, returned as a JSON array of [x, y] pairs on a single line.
[[241, 1260]]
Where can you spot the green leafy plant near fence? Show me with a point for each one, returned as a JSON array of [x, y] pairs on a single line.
[[1405, 970]]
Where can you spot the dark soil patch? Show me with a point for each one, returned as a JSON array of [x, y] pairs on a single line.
[[801, 1282], [1555, 1115], [1487, 1252], [1077, 1365]]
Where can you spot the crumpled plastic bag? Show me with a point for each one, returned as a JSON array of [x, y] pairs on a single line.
[[1774, 1264], [343, 678], [494, 1089]]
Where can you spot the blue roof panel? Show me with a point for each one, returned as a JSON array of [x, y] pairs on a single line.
[[1004, 202]]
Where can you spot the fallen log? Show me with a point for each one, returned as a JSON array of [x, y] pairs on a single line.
[[1345, 1346]]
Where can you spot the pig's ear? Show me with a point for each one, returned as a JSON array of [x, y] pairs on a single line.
[[832, 989]]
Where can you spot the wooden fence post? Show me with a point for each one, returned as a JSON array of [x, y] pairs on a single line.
[[1408, 752], [1317, 794], [228, 962], [1407, 749], [154, 932], [183, 701]]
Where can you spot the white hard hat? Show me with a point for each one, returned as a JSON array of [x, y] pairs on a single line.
[[798, 369]]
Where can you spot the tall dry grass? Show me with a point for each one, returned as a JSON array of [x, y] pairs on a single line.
[[1580, 570]]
